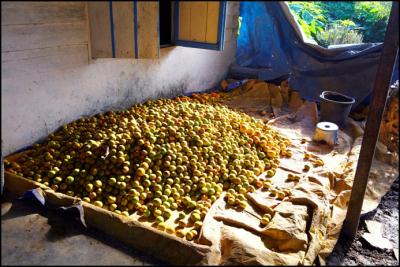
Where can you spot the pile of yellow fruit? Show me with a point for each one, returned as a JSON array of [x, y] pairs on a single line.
[[158, 157]]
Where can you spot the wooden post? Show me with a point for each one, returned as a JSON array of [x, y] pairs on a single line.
[[377, 107]]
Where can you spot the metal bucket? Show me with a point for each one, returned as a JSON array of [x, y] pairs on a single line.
[[335, 107]]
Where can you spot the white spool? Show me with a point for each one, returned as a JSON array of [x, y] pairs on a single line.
[[326, 131]]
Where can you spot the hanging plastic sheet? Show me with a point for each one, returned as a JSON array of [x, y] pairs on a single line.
[[271, 45]]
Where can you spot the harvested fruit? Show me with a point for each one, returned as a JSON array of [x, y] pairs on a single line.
[[265, 219], [161, 226], [195, 217], [267, 184], [306, 168], [180, 232], [198, 224], [190, 235], [98, 203], [273, 192], [268, 216], [318, 163], [280, 195], [292, 177], [157, 158], [287, 191]]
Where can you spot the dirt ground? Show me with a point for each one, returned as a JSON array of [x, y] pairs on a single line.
[[359, 252]]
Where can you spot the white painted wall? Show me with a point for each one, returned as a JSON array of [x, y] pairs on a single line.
[[47, 79]]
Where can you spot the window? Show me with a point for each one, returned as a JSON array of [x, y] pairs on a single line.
[[123, 29], [137, 29], [332, 23], [200, 24], [165, 15]]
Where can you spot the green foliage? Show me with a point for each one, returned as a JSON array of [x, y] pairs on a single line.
[[372, 17], [346, 23], [323, 21], [338, 34], [239, 25], [309, 16], [337, 10]]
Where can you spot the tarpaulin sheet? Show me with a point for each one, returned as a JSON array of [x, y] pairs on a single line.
[[272, 44], [304, 226]]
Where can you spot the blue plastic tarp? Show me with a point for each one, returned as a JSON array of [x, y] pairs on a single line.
[[272, 42]]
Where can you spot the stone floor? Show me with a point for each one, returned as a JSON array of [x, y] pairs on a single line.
[[34, 235]]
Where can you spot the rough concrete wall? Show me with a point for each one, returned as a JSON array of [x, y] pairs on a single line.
[[47, 79]]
